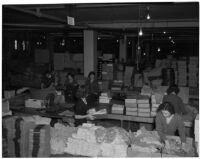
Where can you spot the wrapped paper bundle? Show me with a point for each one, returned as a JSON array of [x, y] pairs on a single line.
[[39, 141]]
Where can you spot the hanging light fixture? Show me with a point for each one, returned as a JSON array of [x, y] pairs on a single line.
[[140, 32], [148, 14]]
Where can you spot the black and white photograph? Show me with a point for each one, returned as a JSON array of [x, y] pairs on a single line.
[[100, 79]]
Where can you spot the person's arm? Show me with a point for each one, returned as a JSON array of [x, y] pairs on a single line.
[[159, 127], [181, 129]]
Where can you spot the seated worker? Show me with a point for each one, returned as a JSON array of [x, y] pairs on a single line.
[[47, 80], [71, 87], [92, 88], [167, 122], [81, 108], [55, 100], [175, 100]]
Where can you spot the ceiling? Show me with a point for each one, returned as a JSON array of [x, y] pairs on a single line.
[[180, 19]]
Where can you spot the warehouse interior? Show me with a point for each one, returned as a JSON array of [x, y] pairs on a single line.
[[100, 79]]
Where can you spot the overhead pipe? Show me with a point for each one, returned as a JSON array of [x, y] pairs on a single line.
[[37, 14]]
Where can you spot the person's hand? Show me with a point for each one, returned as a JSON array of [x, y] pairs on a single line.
[[90, 117]]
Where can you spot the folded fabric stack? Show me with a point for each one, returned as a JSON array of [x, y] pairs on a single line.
[[104, 98], [193, 71], [131, 107], [95, 141], [34, 103], [143, 107], [39, 141], [117, 109], [182, 73], [59, 137], [17, 135]]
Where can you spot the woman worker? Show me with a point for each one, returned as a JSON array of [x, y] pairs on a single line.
[[92, 88], [175, 100], [81, 108], [167, 122], [71, 87]]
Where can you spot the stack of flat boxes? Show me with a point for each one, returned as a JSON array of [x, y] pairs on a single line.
[[143, 107], [154, 105], [182, 73], [193, 71], [131, 107], [107, 72], [117, 85], [118, 107]]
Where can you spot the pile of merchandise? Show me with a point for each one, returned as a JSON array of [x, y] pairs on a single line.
[[154, 105], [182, 73], [91, 140], [117, 109], [143, 106], [145, 141]]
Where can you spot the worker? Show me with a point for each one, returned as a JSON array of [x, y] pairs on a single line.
[[92, 88], [175, 100], [167, 122], [71, 87], [47, 80], [81, 108]]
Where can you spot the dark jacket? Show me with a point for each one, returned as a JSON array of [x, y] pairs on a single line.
[[70, 91], [92, 88], [177, 102]]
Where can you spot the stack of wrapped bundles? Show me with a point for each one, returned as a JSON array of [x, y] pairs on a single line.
[[182, 73], [193, 71], [6, 107], [131, 107], [145, 141], [117, 85], [17, 136], [154, 105], [39, 141], [117, 107], [143, 106], [104, 98], [97, 141], [128, 75], [107, 72]]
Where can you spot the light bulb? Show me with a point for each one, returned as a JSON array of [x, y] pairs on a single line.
[[158, 49], [140, 32], [164, 32], [148, 16]]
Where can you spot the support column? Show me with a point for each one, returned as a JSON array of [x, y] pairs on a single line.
[[147, 51], [90, 51], [123, 48]]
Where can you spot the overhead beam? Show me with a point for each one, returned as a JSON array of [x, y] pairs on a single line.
[[37, 14], [34, 25], [156, 24]]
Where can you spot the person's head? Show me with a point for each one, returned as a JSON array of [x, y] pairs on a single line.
[[173, 89], [91, 76], [70, 77], [59, 89], [167, 109], [81, 92]]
